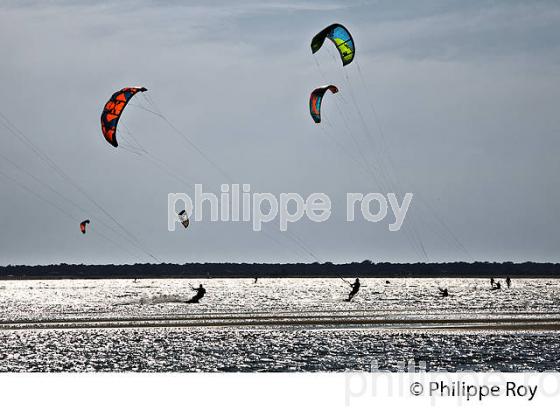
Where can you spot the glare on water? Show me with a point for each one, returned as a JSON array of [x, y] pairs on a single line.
[[125, 298], [273, 325]]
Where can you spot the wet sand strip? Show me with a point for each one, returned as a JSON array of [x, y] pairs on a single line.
[[463, 323]]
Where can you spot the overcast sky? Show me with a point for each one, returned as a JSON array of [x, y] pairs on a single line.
[[466, 96]]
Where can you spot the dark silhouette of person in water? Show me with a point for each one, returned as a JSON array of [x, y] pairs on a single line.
[[492, 282], [508, 282], [355, 289], [200, 292], [444, 292]]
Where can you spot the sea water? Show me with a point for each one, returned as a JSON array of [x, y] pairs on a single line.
[[278, 325]]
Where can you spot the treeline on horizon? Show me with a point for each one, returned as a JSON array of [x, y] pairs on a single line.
[[365, 269]]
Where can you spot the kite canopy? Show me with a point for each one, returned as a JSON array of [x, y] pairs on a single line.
[[315, 100], [83, 225], [113, 110], [184, 218], [341, 38]]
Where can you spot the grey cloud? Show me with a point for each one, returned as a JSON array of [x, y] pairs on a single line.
[[466, 94]]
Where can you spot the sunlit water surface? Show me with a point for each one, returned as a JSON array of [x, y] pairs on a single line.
[[180, 339]]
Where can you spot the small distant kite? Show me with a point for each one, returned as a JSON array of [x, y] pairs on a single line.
[[83, 226], [113, 110], [184, 218], [316, 98], [341, 38]]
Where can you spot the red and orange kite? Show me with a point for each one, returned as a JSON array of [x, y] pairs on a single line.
[[83, 225], [113, 110]]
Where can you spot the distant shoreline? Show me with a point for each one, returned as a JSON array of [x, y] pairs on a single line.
[[365, 269]]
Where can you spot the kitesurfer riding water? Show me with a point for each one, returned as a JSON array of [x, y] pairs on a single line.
[[200, 292], [355, 289]]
